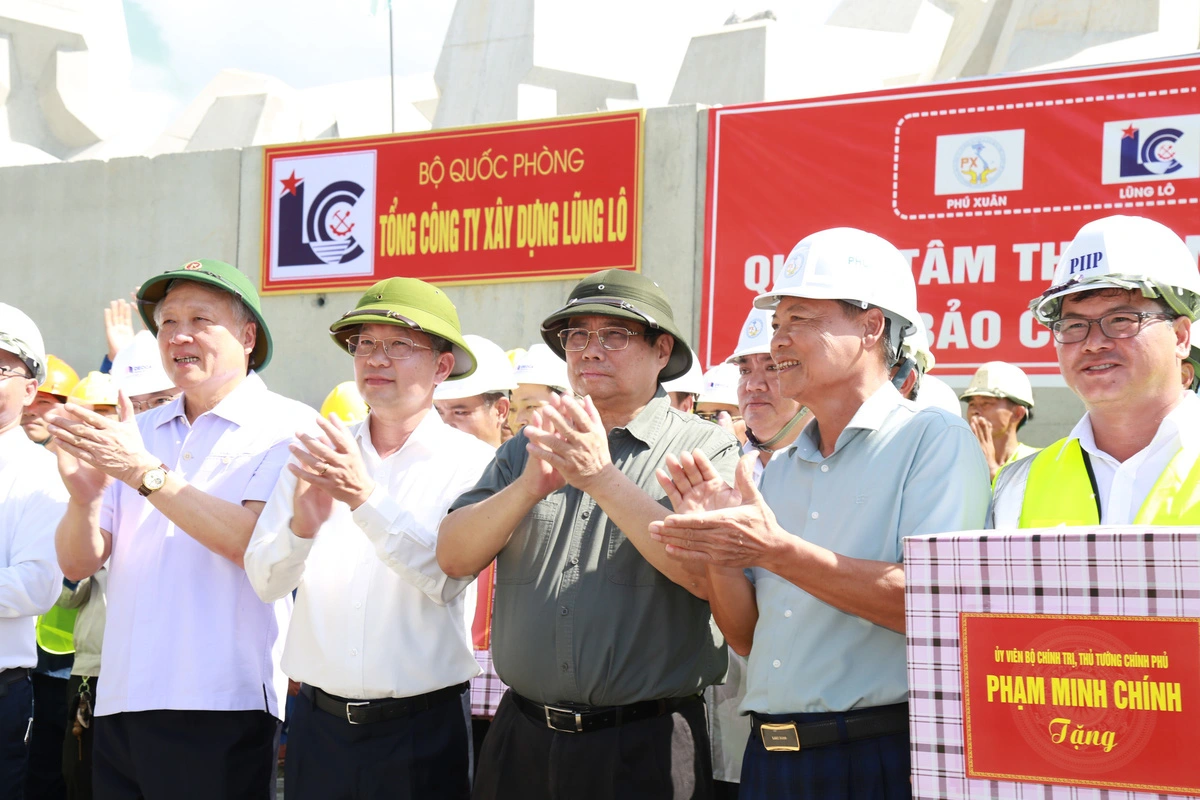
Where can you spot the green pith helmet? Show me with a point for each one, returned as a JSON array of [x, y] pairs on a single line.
[[219, 275], [409, 303], [625, 295]]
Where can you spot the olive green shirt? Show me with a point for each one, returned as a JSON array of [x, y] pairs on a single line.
[[580, 616]]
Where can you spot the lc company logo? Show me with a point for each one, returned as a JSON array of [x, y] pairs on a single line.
[[1151, 149], [323, 209]]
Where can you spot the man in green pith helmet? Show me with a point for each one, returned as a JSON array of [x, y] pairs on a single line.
[[380, 639], [605, 641], [193, 694]]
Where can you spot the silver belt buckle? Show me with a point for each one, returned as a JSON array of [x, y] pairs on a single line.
[[350, 706], [550, 723]]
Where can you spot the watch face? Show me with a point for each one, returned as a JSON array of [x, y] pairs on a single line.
[[154, 479]]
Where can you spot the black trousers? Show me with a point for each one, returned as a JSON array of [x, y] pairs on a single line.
[[185, 755], [654, 759], [76, 751], [44, 780], [16, 719], [426, 755]]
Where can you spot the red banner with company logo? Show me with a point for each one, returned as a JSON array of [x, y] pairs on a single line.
[[981, 184], [1097, 701], [557, 198]]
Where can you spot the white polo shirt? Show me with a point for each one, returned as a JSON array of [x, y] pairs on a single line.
[[375, 615], [32, 501], [185, 629]]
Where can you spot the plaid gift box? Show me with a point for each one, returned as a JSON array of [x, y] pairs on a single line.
[[1120, 572]]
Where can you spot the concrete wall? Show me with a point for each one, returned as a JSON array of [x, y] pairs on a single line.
[[80, 234]]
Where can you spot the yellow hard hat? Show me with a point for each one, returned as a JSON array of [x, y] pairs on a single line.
[[514, 355], [60, 378], [97, 389], [346, 402]]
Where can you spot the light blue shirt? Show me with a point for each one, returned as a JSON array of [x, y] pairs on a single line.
[[895, 471]]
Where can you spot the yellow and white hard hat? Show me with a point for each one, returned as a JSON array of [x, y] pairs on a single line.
[[96, 389], [493, 373], [1001, 379], [917, 347], [345, 401], [60, 378], [720, 385], [690, 382], [1123, 252]]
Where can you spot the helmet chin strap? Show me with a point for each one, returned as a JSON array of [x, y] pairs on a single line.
[[771, 445]]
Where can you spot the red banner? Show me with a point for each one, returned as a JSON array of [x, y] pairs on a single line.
[[558, 198], [1082, 701], [980, 183]]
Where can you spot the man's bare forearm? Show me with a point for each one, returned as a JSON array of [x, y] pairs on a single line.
[[81, 545], [471, 537]]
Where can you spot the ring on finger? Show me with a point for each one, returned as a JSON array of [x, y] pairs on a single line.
[[324, 467]]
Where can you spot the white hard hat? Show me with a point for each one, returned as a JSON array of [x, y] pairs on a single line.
[[935, 393], [21, 337], [493, 372], [1124, 253], [1001, 379], [720, 385], [138, 367], [755, 338], [690, 382], [851, 265], [916, 347], [541, 366]]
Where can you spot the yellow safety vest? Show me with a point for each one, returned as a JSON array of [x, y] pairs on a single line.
[[56, 630], [1059, 491]]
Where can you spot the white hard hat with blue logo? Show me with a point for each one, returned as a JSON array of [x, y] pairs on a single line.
[[755, 337], [1123, 252], [854, 266]]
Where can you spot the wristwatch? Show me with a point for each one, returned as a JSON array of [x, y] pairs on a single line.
[[153, 480]]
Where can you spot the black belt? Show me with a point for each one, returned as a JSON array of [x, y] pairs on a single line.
[[789, 735], [10, 676], [570, 718], [365, 712]]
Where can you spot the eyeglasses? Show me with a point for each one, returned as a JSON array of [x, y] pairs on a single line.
[[576, 339], [711, 416], [395, 349], [154, 402], [13, 372], [1116, 325]]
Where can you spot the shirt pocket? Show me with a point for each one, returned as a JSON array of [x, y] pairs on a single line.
[[524, 558], [625, 565]]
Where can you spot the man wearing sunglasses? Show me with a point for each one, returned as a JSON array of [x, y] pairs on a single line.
[[380, 639], [1120, 307], [605, 641], [192, 692]]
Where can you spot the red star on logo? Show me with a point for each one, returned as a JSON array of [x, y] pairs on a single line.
[[291, 183], [1127, 133]]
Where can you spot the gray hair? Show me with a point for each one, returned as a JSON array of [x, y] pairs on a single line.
[[241, 312]]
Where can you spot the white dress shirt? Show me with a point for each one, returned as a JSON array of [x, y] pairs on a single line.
[[32, 501], [185, 629], [1123, 486], [375, 616]]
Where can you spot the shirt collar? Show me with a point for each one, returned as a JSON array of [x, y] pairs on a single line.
[[1183, 422], [423, 437], [646, 426], [870, 416], [242, 406]]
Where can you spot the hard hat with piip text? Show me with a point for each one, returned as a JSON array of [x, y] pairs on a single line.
[[1001, 379], [1123, 252], [60, 378], [492, 373], [720, 385], [755, 336], [691, 382], [854, 266], [138, 367], [345, 401], [541, 366], [21, 337], [96, 389]]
